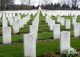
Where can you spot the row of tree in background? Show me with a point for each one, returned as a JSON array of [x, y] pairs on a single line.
[[59, 7], [47, 7], [9, 5]]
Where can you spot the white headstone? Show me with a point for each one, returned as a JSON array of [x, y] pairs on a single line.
[[62, 21], [68, 24], [51, 25], [64, 41], [58, 19], [10, 20], [16, 27], [13, 14], [0, 15], [56, 31], [76, 29], [73, 20], [34, 30], [4, 21], [29, 45], [21, 23], [6, 35]]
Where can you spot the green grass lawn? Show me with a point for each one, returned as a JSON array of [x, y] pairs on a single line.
[[16, 48], [45, 41]]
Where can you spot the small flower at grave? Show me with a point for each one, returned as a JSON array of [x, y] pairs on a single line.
[[70, 53]]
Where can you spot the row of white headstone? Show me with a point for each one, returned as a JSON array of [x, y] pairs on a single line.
[[9, 20], [61, 12], [56, 27], [50, 22], [6, 31], [64, 22], [22, 12], [64, 36], [59, 20], [31, 38], [16, 23], [76, 25]]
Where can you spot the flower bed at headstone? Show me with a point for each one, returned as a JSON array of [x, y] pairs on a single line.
[[70, 53]]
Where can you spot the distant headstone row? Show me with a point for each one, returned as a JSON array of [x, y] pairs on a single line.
[[31, 38]]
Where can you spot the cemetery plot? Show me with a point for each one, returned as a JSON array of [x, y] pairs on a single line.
[[42, 30]]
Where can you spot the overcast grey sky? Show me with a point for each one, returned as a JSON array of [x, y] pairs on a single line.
[[37, 2]]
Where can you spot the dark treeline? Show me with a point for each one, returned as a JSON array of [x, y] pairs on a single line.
[[19, 7], [48, 7], [59, 7]]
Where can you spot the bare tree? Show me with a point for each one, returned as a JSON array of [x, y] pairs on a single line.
[[74, 2], [4, 3], [29, 2], [0, 4]]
